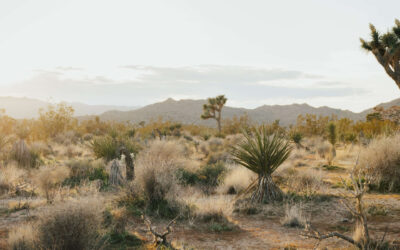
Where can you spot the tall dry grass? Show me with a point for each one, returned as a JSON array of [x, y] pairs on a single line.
[[236, 180], [380, 163], [48, 180]]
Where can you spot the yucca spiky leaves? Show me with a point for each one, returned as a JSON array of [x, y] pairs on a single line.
[[386, 49], [262, 153]]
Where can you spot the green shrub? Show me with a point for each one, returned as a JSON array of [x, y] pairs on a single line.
[[297, 137], [123, 240], [107, 147], [81, 170], [207, 177]]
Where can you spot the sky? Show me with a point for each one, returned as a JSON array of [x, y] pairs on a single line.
[[134, 53]]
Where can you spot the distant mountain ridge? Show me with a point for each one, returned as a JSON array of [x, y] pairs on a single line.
[[22, 107], [183, 111], [189, 111]]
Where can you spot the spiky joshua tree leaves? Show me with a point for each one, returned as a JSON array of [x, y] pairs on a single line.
[[262, 153], [213, 109], [386, 49]]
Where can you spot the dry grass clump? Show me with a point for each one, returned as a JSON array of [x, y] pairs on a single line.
[[48, 179], [22, 238], [294, 216], [212, 211], [379, 162], [237, 180], [10, 177], [155, 172], [41, 148], [23, 155], [307, 182], [72, 225]]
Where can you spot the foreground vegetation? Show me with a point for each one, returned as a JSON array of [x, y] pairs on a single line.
[[92, 184]]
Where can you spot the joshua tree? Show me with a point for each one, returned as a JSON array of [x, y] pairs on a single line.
[[262, 153], [386, 49], [213, 109]]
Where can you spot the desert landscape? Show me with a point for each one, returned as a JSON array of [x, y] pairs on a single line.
[[199, 125]]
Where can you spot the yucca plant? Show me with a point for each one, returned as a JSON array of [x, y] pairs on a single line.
[[262, 153]]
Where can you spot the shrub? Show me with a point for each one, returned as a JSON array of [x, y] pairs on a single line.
[[10, 176], [293, 217], [262, 153], [207, 177], [307, 182], [70, 226], [48, 179], [24, 156], [156, 176], [107, 147], [236, 181], [296, 137], [22, 238], [81, 170], [379, 162]]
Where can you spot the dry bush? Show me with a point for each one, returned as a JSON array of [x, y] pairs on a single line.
[[41, 148], [73, 225], [22, 238], [155, 172], [380, 163], [66, 138], [213, 211], [22, 154], [294, 216], [324, 149], [237, 180], [48, 180], [307, 182], [10, 177]]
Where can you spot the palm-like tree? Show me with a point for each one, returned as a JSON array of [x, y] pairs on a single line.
[[262, 153]]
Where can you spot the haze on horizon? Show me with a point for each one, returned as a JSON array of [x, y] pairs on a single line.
[[134, 53]]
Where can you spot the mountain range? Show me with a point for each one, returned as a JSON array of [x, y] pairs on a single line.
[[189, 111], [23, 107], [183, 111]]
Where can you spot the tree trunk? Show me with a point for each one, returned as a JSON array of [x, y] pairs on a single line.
[[266, 190], [219, 125]]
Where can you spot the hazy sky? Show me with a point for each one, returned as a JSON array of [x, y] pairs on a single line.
[[139, 52]]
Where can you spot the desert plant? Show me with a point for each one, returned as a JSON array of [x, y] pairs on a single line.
[[86, 170], [380, 161], [208, 177], [332, 137], [213, 109], [361, 237], [236, 181], [156, 169], [386, 49], [294, 216], [22, 238], [296, 138], [70, 226], [109, 147], [262, 153], [49, 179], [24, 157]]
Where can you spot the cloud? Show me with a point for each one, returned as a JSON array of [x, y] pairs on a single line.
[[140, 85]]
